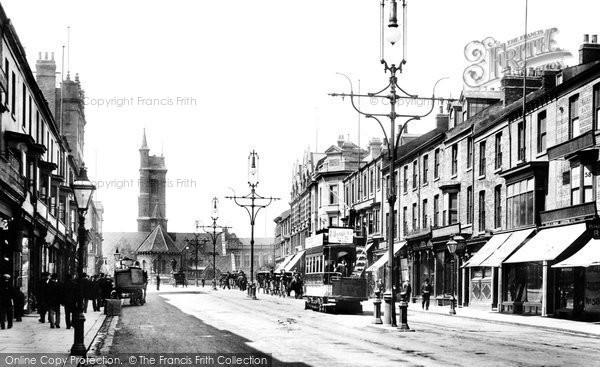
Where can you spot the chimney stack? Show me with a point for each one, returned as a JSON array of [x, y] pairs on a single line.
[[589, 52], [442, 119], [46, 78], [375, 147], [512, 86], [340, 140]]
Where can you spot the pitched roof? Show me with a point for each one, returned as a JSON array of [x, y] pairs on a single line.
[[158, 242]]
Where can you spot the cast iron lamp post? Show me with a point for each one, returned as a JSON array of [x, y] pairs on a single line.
[[213, 236], [393, 34], [452, 245], [196, 242], [253, 203], [83, 190]]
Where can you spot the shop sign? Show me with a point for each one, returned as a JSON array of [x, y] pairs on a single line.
[[593, 227], [313, 241], [341, 235]]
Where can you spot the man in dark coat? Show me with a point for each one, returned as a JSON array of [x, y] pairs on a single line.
[[55, 298], [6, 305], [18, 303], [158, 282], [70, 299], [42, 296], [94, 293]]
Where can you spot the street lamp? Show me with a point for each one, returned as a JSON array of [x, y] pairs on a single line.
[[213, 235], [249, 202], [117, 256], [452, 245], [196, 243], [83, 190], [392, 33]]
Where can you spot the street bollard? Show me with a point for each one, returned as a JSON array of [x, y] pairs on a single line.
[[403, 316], [377, 308]]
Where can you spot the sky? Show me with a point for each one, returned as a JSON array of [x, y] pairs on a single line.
[[212, 80]]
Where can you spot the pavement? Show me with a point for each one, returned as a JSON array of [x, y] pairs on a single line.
[[31, 336], [547, 323]]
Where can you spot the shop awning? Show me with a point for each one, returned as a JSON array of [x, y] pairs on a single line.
[[548, 244], [282, 264], [506, 248], [589, 255], [489, 248], [384, 259], [294, 261]]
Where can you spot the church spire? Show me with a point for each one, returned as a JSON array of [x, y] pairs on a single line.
[[144, 143]]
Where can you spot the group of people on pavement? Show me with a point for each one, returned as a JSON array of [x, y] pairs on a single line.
[[53, 293], [281, 284]]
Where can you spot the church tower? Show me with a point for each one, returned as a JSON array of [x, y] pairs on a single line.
[[153, 181]]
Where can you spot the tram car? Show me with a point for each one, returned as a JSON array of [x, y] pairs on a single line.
[[131, 282], [332, 282]]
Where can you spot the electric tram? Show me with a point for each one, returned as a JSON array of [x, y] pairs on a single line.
[[334, 275]]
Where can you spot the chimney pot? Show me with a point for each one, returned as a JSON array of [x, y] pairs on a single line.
[[46, 56], [586, 38]]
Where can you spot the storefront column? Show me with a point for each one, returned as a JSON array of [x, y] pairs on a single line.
[[500, 292], [463, 285], [545, 288], [494, 289]]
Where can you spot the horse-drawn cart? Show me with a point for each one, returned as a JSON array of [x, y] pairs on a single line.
[[131, 283], [179, 279]]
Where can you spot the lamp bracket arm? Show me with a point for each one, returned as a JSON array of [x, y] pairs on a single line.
[[380, 125]]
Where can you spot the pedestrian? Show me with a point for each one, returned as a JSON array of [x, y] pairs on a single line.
[[42, 296], [55, 299], [426, 290], [203, 281], [18, 303], [94, 293], [6, 305], [70, 299], [158, 282]]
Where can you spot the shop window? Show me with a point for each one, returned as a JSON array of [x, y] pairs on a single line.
[[524, 283], [519, 204], [566, 289]]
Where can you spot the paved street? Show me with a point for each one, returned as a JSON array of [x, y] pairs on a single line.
[[225, 321]]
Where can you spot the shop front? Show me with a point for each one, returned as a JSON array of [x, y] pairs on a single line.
[[530, 283], [578, 294]]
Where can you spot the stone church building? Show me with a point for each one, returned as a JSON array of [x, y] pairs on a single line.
[[161, 252]]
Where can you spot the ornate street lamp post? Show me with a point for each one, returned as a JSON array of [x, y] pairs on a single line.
[[83, 190], [196, 242], [393, 34], [214, 235], [253, 203]]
